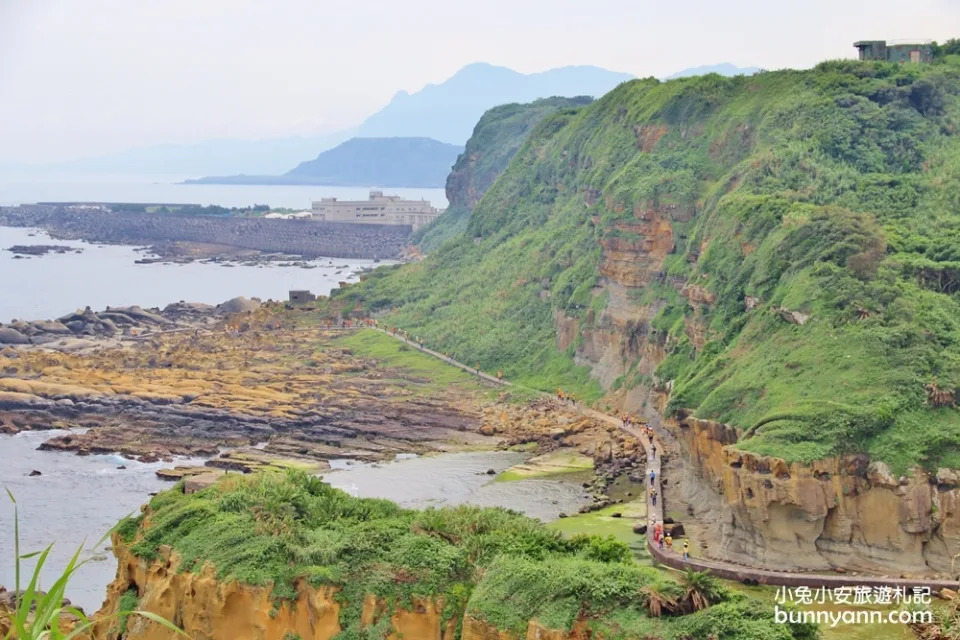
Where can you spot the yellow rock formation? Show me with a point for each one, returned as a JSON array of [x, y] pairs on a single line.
[[207, 609], [836, 512]]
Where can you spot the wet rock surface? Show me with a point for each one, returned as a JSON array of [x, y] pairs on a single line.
[[41, 249], [268, 384]]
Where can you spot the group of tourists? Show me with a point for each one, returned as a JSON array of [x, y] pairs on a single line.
[[664, 540], [566, 398], [351, 323]]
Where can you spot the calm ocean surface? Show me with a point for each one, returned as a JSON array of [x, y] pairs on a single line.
[[53, 285], [46, 287]]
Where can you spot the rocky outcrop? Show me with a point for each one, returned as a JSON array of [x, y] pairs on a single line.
[[238, 305], [204, 607], [847, 513], [119, 321], [41, 249], [307, 238], [9, 335], [621, 337]]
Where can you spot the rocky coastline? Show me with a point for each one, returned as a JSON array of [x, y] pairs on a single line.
[[26, 250], [231, 235], [251, 386]]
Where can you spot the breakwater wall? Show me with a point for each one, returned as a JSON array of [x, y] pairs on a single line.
[[307, 238]]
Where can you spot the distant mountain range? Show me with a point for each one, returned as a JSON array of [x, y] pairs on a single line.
[[446, 112], [449, 111], [724, 69], [378, 162]]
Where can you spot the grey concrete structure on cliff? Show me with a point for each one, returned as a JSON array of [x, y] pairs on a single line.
[[307, 238]]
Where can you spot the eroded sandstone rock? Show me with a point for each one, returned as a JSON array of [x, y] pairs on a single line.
[[837, 512]]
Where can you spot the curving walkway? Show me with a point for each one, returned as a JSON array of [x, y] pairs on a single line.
[[674, 559]]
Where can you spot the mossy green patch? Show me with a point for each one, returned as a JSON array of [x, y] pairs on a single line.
[[560, 462], [603, 523]]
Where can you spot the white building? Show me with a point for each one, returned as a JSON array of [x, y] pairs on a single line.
[[377, 209], [297, 215]]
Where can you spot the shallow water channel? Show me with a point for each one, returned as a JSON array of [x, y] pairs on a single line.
[[77, 499]]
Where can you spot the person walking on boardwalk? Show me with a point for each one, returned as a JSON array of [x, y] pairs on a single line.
[[686, 549], [653, 476], [669, 541], [477, 367], [421, 343], [653, 451], [500, 375], [653, 497]]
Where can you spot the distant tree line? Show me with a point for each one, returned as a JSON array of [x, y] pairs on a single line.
[[949, 48]]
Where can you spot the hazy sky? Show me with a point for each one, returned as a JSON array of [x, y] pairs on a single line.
[[83, 77]]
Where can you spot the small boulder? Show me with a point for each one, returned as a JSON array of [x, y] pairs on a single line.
[[491, 472], [238, 305], [12, 336], [34, 473], [793, 317], [640, 529]]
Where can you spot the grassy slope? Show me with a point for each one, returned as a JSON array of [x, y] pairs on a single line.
[[499, 566], [496, 138], [832, 191]]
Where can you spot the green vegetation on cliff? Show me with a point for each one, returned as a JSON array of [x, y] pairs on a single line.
[[499, 567], [496, 138], [808, 287]]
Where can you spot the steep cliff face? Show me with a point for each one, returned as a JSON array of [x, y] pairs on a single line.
[[835, 512], [766, 252], [207, 609], [496, 139], [203, 607]]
